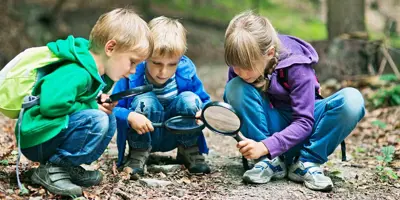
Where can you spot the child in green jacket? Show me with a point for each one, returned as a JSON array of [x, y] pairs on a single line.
[[68, 127]]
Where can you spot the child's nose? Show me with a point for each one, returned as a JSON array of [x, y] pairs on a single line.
[[163, 70]]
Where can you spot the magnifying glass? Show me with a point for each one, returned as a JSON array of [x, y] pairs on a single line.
[[217, 116], [181, 125], [127, 93], [221, 118]]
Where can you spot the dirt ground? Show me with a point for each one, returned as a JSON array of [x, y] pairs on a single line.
[[353, 179]]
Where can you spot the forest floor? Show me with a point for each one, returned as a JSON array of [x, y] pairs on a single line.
[[357, 178]]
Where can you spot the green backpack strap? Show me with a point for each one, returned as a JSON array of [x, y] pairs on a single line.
[[29, 101]]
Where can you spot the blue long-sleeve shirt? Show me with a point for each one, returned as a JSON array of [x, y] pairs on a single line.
[[186, 80]]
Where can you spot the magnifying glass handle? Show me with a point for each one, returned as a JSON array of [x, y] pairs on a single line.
[[238, 138], [106, 101], [157, 125]]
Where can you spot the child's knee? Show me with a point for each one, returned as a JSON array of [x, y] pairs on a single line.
[[146, 103], [100, 122], [188, 102], [353, 103], [236, 92]]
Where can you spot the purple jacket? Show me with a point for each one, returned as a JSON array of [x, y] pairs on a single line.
[[298, 56]]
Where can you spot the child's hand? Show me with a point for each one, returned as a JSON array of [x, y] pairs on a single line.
[[251, 149], [140, 123], [198, 114], [106, 107]]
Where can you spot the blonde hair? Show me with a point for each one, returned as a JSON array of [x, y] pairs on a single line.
[[247, 39], [123, 25], [169, 37]]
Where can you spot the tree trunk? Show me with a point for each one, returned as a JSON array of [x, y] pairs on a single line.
[[345, 16]]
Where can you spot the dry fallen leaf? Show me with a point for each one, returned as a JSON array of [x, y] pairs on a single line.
[[114, 169], [90, 196]]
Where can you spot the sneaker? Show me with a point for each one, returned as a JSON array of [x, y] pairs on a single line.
[[137, 159], [55, 179], [264, 170], [311, 174], [193, 160], [82, 177]]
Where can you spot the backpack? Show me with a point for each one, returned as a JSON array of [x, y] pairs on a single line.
[[283, 80], [19, 76], [17, 80]]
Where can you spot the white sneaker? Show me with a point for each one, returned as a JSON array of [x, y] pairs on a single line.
[[265, 170], [311, 174]]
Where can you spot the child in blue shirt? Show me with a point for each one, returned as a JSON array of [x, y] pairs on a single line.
[[177, 91]]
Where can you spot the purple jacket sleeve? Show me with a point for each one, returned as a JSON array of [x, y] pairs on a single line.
[[231, 74], [301, 79]]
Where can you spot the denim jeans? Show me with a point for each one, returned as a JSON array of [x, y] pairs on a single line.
[[185, 103], [335, 117], [84, 140]]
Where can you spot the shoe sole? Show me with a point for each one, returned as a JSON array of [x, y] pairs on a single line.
[[327, 188], [296, 178], [181, 160], [248, 179], [39, 181]]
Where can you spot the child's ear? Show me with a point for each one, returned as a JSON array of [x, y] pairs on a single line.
[[271, 52], [110, 46]]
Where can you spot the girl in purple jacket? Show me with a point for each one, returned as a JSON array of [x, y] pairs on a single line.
[[289, 129]]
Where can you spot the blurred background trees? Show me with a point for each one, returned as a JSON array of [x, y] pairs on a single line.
[[347, 34]]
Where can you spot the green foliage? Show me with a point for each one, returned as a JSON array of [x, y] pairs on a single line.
[[383, 170], [387, 156], [379, 123], [3, 162], [301, 24], [395, 41], [361, 150], [386, 97], [23, 190], [287, 19], [389, 77]]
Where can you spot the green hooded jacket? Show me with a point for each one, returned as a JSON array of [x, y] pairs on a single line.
[[72, 86]]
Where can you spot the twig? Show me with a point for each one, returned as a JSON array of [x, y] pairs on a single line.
[[382, 66], [114, 169], [122, 194], [371, 69], [391, 62]]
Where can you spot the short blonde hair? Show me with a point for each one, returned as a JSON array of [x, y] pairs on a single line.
[[248, 37], [169, 37], [123, 25]]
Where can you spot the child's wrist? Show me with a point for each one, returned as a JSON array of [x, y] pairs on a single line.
[[264, 148], [131, 115]]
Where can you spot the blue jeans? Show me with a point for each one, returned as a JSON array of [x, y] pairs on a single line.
[[335, 117], [84, 140], [186, 103]]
